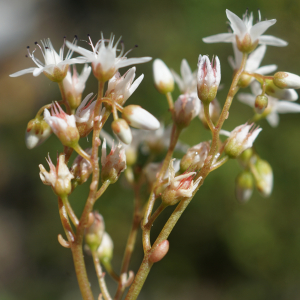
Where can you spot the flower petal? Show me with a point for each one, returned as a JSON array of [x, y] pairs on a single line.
[[273, 119], [132, 61], [284, 107], [37, 71], [259, 28], [86, 53], [19, 73], [272, 41], [221, 37], [255, 59], [237, 25], [245, 98], [266, 69]]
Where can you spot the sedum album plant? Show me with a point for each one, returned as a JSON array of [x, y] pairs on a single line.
[[169, 182]]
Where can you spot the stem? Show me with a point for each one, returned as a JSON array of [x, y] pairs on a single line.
[[207, 116], [170, 101], [68, 152], [159, 210], [219, 163], [100, 276], [131, 239], [82, 153], [70, 211]]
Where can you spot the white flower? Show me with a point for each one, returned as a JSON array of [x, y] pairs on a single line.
[[187, 83], [104, 58], [62, 124], [208, 78], [120, 88], [163, 79], [74, 85], [274, 107], [106, 247], [286, 80], [138, 117], [240, 139], [245, 31], [55, 66], [59, 177], [253, 62]]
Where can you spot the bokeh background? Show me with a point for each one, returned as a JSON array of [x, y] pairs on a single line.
[[219, 249]]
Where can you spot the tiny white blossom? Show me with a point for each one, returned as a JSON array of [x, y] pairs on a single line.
[[104, 58], [244, 29], [55, 66], [163, 79], [187, 82]]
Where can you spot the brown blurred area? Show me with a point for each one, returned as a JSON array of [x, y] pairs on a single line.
[[219, 249]]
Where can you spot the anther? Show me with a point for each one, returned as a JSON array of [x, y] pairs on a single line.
[[35, 43], [28, 47]]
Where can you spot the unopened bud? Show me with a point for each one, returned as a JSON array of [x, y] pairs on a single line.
[[163, 78], [276, 92], [81, 168], [160, 251], [94, 233], [208, 78], [263, 177], [37, 132], [244, 186], [286, 80], [245, 157], [122, 131], [195, 157], [244, 80], [246, 45], [240, 139], [186, 108], [214, 112], [261, 103], [105, 251], [138, 117]]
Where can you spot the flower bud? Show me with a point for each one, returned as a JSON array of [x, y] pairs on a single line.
[[163, 78], [214, 112], [37, 132], [63, 125], [263, 176], [195, 157], [244, 80], [276, 92], [122, 131], [208, 78], [138, 117], [105, 251], [286, 80], [59, 177], [261, 103], [244, 186], [186, 108], [245, 157], [112, 164], [95, 233], [240, 139], [160, 251], [81, 168]]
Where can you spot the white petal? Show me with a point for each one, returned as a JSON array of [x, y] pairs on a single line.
[[86, 53], [259, 28], [185, 70], [272, 41], [221, 37], [19, 73], [237, 25], [284, 107], [255, 59], [178, 80], [37, 71], [245, 98], [231, 62], [266, 69], [135, 84], [273, 119], [132, 61]]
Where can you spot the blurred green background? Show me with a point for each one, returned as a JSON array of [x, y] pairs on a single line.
[[219, 249]]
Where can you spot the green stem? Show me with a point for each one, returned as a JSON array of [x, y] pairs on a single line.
[[207, 116]]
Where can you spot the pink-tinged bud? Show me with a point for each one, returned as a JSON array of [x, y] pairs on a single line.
[[286, 80], [186, 108], [163, 78], [160, 251], [208, 78], [59, 177], [81, 168], [263, 175], [122, 131], [112, 164], [94, 233], [138, 117], [85, 115], [37, 132], [179, 187], [75, 85], [240, 139], [195, 157], [214, 112], [105, 251], [63, 125], [244, 186], [261, 103]]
